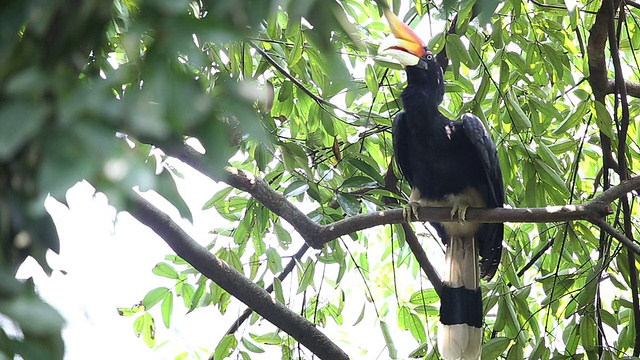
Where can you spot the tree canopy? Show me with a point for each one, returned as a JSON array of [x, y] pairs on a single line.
[[292, 110]]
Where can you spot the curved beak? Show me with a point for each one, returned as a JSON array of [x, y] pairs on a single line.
[[404, 45]]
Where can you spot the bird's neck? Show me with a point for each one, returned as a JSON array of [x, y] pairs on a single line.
[[424, 91]]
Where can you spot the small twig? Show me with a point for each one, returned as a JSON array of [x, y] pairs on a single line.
[[297, 82]]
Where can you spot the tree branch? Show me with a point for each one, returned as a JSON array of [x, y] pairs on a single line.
[[605, 226], [297, 83], [234, 282], [633, 88], [598, 35], [317, 235]]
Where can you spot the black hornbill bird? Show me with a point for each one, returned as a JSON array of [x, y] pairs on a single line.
[[448, 164]]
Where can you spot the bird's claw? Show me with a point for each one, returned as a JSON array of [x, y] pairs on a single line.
[[410, 212], [461, 211]]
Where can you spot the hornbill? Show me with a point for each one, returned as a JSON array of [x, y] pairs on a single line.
[[448, 164]]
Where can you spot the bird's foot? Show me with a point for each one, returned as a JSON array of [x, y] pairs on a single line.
[[461, 211], [410, 212]]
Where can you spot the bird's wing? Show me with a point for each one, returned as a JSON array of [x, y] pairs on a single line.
[[401, 139], [490, 235], [479, 137]]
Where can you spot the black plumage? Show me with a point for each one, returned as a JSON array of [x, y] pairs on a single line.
[[441, 157], [448, 164]]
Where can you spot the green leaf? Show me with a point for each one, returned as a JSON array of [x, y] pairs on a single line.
[[251, 346], [361, 316], [495, 347], [271, 338], [19, 123], [233, 260], [349, 203], [404, 318], [588, 332], [154, 296], [167, 309], [386, 333], [518, 116], [308, 270], [32, 314], [277, 289], [573, 119], [588, 294], [165, 270], [417, 328], [274, 261], [296, 188], [284, 237], [457, 50], [551, 177], [427, 296], [145, 325], [570, 337], [366, 168], [358, 182], [603, 118], [516, 352], [187, 291], [195, 300], [487, 9], [262, 157], [225, 347], [370, 79], [538, 350], [285, 91]]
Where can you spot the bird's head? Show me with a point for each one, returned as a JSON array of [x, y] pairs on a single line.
[[406, 46], [423, 71]]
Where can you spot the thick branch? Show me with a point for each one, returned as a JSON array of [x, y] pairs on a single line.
[[597, 61], [234, 282], [633, 88], [593, 210]]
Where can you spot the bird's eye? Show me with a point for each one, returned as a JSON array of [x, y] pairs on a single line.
[[429, 57]]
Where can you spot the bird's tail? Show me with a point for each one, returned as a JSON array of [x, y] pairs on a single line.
[[460, 330]]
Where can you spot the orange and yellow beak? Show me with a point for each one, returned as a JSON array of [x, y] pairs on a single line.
[[404, 45]]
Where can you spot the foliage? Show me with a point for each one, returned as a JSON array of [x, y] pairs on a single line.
[[292, 92]]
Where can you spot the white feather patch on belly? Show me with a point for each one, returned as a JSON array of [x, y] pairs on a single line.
[[469, 197]]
